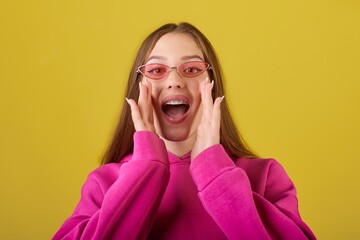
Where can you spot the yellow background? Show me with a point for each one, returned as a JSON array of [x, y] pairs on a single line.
[[292, 70]]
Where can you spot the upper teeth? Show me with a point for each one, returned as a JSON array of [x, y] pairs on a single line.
[[175, 102]]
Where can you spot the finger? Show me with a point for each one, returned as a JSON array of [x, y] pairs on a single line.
[[202, 95], [208, 101], [150, 104], [216, 115], [142, 101], [135, 115], [147, 108]]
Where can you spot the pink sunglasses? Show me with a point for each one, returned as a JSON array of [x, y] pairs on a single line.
[[157, 71]]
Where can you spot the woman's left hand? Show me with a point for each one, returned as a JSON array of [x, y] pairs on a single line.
[[208, 132]]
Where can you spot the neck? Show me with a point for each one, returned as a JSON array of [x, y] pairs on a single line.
[[180, 148]]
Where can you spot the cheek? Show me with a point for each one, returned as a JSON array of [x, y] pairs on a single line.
[[155, 91], [195, 91]]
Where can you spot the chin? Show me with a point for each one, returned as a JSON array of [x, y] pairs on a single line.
[[177, 136]]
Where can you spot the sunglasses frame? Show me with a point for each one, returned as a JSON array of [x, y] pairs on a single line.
[[172, 69]]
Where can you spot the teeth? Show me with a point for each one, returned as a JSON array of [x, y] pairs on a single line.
[[175, 102]]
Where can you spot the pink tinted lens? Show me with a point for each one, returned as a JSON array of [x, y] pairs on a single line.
[[192, 69], [154, 71]]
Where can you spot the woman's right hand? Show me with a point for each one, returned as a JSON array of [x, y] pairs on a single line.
[[142, 112]]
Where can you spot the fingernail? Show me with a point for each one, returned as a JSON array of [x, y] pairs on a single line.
[[145, 80], [222, 98], [212, 84], [127, 100]]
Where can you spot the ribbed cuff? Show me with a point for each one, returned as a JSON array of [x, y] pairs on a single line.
[[149, 147], [209, 164]]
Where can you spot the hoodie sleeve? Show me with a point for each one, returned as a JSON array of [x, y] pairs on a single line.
[[226, 193], [121, 202]]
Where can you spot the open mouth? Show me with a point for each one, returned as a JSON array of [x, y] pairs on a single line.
[[175, 108]]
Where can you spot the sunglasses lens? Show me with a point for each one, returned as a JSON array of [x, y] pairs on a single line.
[[154, 71], [192, 69], [158, 71]]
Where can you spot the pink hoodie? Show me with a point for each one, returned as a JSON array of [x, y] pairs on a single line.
[[152, 194]]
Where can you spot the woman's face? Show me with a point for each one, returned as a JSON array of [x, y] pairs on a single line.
[[176, 99]]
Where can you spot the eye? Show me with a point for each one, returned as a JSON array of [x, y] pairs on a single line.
[[192, 70], [156, 70]]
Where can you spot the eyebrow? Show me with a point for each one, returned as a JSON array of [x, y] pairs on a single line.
[[192, 56], [183, 58], [156, 57]]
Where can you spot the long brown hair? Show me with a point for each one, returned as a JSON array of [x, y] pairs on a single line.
[[122, 142]]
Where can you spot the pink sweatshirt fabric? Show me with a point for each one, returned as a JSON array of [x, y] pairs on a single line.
[[152, 194]]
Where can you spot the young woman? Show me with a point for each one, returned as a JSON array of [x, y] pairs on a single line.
[[177, 167]]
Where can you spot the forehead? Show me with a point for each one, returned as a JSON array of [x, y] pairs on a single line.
[[176, 46]]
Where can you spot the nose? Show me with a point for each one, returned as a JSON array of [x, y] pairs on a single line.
[[174, 80]]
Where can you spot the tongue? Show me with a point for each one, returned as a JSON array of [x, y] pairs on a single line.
[[175, 110]]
